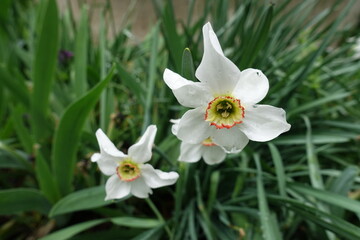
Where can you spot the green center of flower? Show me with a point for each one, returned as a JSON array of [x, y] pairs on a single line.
[[208, 142], [224, 112], [128, 170]]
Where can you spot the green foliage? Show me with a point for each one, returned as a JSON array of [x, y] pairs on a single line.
[[57, 87], [68, 133], [45, 59]]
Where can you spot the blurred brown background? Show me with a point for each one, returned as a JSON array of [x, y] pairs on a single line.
[[141, 15]]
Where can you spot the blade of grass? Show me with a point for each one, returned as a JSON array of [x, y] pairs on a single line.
[[325, 42], [43, 71], [313, 163], [134, 222], [258, 40], [106, 104], [337, 225], [279, 168], [328, 197], [318, 102], [314, 169], [45, 178], [240, 179], [154, 233], [151, 78], [160, 217], [21, 130], [203, 218], [172, 38], [15, 86], [81, 52], [214, 183], [269, 223]]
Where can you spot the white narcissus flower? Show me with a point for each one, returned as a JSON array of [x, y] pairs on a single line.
[[207, 149], [128, 173], [225, 102]]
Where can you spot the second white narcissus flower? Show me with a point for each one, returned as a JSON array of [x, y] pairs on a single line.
[[128, 173], [225, 102], [207, 149]]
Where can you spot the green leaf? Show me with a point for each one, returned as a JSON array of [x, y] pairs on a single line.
[[331, 222], [129, 81], [319, 138], [313, 163], [5, 9], [46, 178], [71, 231], [107, 98], [16, 86], [269, 225], [8, 161], [279, 168], [17, 200], [21, 130], [134, 222], [187, 67], [258, 40], [151, 79], [67, 136], [317, 103], [154, 233], [328, 197], [46, 54], [214, 184], [343, 184], [172, 38], [80, 200], [81, 52]]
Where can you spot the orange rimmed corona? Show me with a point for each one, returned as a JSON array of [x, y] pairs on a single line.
[[224, 112]]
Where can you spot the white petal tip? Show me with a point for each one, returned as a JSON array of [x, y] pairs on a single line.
[[95, 157], [190, 160], [99, 132]]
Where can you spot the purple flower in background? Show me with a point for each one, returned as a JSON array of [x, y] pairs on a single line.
[[65, 56]]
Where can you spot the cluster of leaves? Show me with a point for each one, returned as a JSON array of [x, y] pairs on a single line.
[[58, 85]]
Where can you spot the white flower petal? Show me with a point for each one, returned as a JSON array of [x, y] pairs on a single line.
[[140, 189], [217, 71], [190, 152], [252, 86], [115, 188], [231, 140], [264, 123], [192, 126], [213, 154], [95, 157], [188, 93], [140, 152], [109, 155], [175, 126], [106, 146], [156, 178], [106, 165]]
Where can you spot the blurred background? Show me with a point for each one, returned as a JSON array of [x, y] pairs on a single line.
[[140, 14]]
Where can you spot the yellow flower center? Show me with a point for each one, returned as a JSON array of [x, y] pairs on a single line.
[[128, 170], [208, 142], [224, 112]]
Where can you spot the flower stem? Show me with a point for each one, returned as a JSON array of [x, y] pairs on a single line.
[[159, 216]]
